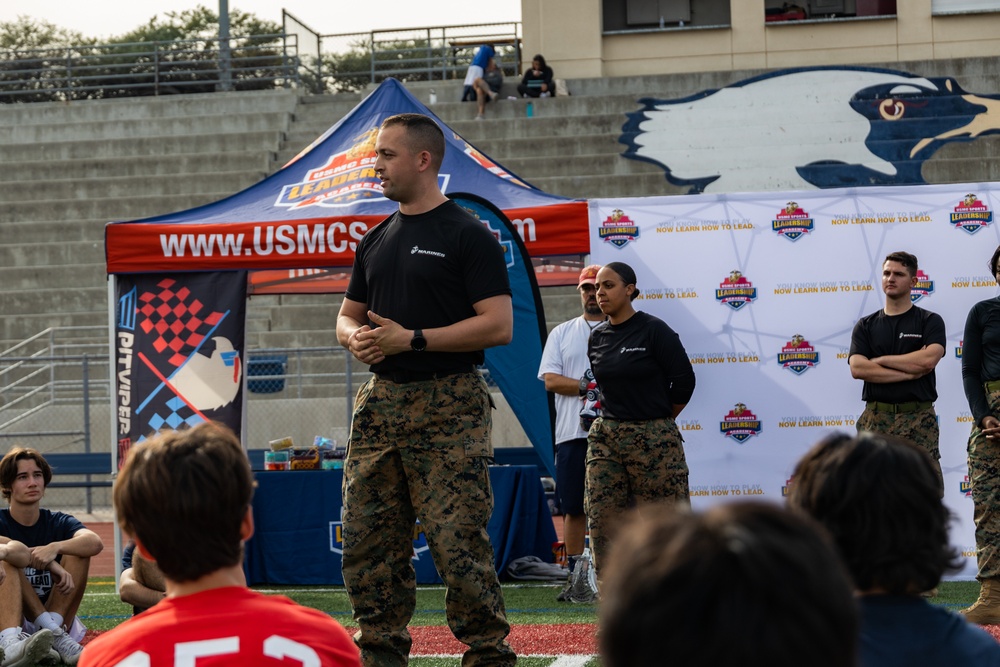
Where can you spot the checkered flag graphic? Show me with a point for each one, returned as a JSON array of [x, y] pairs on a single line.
[[176, 320]]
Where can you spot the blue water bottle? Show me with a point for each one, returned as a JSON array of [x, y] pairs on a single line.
[[529, 110]]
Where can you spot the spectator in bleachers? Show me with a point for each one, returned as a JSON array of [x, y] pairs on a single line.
[[744, 583], [880, 499], [53, 584], [488, 86], [537, 80], [476, 69]]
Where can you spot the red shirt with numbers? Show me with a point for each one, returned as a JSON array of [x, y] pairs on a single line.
[[224, 626]]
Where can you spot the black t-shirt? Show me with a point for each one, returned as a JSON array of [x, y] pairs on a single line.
[[878, 334], [426, 271], [50, 527], [981, 354], [641, 367]]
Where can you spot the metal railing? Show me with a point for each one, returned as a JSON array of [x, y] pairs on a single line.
[[103, 71], [351, 61]]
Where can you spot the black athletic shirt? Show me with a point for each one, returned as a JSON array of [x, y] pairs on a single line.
[[878, 335], [981, 354], [641, 368], [425, 271]]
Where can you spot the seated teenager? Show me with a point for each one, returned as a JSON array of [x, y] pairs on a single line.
[[880, 499], [537, 80], [141, 584], [53, 583], [744, 583], [184, 497], [17, 648]]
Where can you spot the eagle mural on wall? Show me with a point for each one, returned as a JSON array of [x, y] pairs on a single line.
[[807, 128]]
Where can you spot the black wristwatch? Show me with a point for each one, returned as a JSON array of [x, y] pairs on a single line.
[[418, 343]]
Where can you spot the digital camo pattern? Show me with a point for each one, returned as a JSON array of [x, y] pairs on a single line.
[[984, 457], [630, 462], [421, 451]]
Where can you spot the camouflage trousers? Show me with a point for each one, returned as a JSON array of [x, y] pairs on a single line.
[[984, 476], [421, 450], [921, 427], [630, 463]]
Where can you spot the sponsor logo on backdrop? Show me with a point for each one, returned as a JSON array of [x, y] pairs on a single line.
[[740, 424], [727, 490], [617, 229], [924, 287], [347, 177], [965, 486], [786, 487], [792, 222], [958, 350], [971, 214], [798, 355], [735, 291]]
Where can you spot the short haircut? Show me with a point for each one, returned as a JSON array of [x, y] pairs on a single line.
[[183, 495], [880, 499], [744, 583], [8, 467], [423, 134], [904, 258]]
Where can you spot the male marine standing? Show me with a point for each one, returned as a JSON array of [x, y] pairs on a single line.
[[895, 350], [564, 362], [428, 293]]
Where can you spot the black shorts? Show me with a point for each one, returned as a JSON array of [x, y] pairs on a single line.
[[571, 475]]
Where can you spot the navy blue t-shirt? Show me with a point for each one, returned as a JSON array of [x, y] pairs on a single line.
[[50, 527]]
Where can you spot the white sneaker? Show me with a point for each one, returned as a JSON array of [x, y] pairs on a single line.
[[24, 650], [67, 647]]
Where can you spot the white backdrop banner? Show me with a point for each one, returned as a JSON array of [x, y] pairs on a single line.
[[764, 290]]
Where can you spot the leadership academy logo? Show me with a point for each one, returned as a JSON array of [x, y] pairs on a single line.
[[971, 214], [618, 229], [347, 177], [792, 222], [735, 291], [924, 287], [740, 423], [798, 355]]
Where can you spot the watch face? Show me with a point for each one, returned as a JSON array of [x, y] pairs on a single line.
[[418, 342]]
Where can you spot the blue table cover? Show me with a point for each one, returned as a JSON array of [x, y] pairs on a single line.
[[297, 517]]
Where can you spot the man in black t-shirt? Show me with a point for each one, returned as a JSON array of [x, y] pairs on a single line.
[[895, 350], [429, 292]]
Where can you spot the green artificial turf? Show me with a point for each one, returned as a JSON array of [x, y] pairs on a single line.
[[526, 604]]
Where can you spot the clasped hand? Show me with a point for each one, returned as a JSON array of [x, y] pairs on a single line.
[[372, 346]]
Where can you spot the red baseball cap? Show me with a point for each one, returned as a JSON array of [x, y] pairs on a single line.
[[589, 275]]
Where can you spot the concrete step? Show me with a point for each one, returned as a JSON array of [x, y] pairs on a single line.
[[51, 255], [16, 233], [155, 186], [113, 209], [22, 278], [148, 108], [127, 129], [592, 187], [55, 301], [15, 329], [141, 167], [81, 148]]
